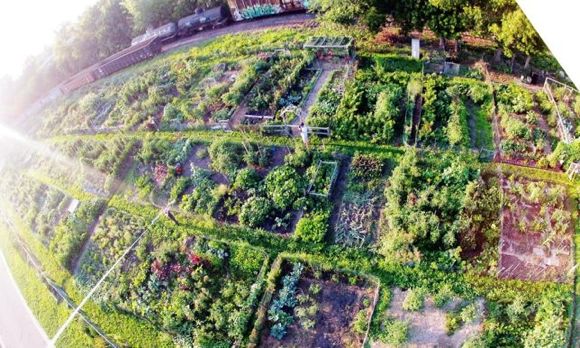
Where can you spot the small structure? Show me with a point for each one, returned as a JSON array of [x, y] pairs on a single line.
[[73, 206], [416, 48], [340, 46], [573, 170]]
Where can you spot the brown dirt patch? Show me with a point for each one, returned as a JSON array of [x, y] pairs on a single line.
[[532, 254], [338, 305], [427, 327]]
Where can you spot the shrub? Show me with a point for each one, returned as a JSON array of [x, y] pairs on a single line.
[[312, 227], [443, 296], [452, 322], [246, 179], [468, 313], [394, 332], [414, 300], [255, 211], [300, 158], [360, 322], [284, 186], [257, 155], [225, 157], [179, 188]]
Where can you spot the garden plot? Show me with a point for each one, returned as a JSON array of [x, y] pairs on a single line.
[[526, 136], [359, 212], [60, 222], [414, 319], [566, 104], [114, 232], [315, 308], [93, 165], [286, 83], [536, 238], [201, 292], [269, 188], [328, 100], [213, 99]]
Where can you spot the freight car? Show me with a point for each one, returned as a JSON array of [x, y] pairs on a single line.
[[166, 33], [244, 9], [202, 20], [149, 44]]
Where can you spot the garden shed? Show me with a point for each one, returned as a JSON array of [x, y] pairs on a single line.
[[337, 46]]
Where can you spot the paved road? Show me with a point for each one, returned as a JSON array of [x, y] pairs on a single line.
[[18, 326]]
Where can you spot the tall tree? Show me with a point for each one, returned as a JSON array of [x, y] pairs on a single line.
[[515, 34]]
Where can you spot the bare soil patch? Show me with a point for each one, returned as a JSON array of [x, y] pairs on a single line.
[[339, 302], [427, 327], [535, 244]]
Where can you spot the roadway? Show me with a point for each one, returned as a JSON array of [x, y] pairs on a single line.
[[18, 326]]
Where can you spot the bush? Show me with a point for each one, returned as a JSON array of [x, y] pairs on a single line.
[[225, 157], [443, 296], [179, 188], [452, 322], [360, 322], [284, 186], [394, 332], [246, 179], [312, 227], [255, 211], [414, 300]]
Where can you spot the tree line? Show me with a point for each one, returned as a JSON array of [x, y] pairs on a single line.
[[499, 20], [103, 29]]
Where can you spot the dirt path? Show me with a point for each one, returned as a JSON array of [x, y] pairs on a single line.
[[337, 194], [496, 129], [472, 124], [310, 100], [417, 109]]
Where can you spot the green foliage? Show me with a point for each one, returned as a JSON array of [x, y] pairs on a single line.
[[285, 302], [284, 185], [360, 322], [247, 179], [457, 128], [395, 332], [425, 198], [312, 227], [414, 300], [393, 62], [225, 157], [516, 34], [179, 188], [255, 211], [205, 195]]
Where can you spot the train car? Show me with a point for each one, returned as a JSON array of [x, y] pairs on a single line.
[[166, 33], [243, 9], [129, 56], [78, 80], [202, 20]]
